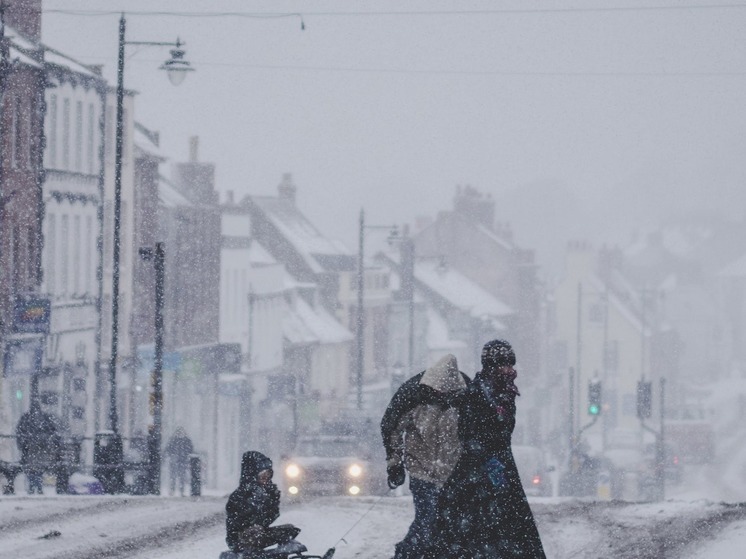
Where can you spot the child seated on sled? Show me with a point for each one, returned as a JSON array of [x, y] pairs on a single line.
[[253, 507]]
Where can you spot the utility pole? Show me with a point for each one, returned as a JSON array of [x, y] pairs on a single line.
[[407, 288], [360, 317], [579, 342]]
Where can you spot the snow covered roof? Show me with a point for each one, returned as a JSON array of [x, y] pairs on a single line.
[[21, 49], [146, 140], [169, 196], [305, 325], [438, 337], [319, 252], [55, 57], [258, 255], [21, 56], [459, 290]]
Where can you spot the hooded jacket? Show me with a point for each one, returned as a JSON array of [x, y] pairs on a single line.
[[420, 425], [251, 504]]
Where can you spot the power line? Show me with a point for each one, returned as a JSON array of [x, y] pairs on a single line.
[[407, 13], [409, 71]]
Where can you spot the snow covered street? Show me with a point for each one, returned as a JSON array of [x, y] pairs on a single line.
[[170, 528]]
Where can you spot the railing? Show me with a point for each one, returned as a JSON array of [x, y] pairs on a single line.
[[137, 473]]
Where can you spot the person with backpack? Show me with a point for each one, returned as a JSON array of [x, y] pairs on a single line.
[[420, 435]]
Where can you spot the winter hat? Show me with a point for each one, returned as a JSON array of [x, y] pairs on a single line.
[[252, 463], [497, 353], [444, 376]]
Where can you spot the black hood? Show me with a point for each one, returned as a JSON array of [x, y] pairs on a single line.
[[252, 463]]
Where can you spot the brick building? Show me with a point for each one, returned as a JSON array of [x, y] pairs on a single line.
[[22, 84]]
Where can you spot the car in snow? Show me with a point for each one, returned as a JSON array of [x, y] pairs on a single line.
[[533, 470], [329, 465]]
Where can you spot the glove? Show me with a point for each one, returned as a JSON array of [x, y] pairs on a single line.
[[496, 473], [396, 475]]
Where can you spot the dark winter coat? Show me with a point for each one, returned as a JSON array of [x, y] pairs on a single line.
[[38, 439], [420, 424], [178, 449], [483, 511], [251, 504]]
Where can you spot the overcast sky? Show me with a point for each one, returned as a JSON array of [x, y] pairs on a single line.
[[392, 111]]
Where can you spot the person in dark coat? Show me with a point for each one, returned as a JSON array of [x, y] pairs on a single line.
[[38, 440], [253, 507], [483, 511], [420, 434], [178, 450]]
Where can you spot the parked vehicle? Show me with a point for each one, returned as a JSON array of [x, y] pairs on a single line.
[[690, 431], [329, 465], [533, 470]]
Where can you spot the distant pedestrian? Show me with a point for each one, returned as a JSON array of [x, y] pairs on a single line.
[[178, 450], [420, 434], [38, 440], [483, 512]]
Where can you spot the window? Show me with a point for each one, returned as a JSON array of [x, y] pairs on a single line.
[[89, 240], [612, 355], [30, 256], [52, 139], [76, 259], [91, 156], [15, 255], [110, 135], [79, 136], [17, 133], [27, 155], [51, 260], [66, 134], [64, 256], [597, 313]]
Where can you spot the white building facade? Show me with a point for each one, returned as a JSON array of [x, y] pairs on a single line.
[[72, 192]]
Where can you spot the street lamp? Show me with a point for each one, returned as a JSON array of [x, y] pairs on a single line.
[[177, 69], [360, 316], [154, 440]]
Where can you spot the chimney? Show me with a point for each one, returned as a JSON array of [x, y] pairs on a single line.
[[193, 149], [286, 189], [24, 16], [229, 197]]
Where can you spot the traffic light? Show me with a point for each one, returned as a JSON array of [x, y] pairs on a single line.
[[594, 397], [644, 399]]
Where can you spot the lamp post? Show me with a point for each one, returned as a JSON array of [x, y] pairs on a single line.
[[360, 315], [407, 266], [176, 68], [154, 439]]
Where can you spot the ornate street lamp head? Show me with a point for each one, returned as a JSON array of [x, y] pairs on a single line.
[[176, 66]]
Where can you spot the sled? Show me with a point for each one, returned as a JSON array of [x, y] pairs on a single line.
[[289, 550]]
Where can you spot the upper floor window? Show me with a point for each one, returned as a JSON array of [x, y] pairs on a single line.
[[18, 150], [52, 139], [91, 138], [79, 136], [66, 134], [51, 249]]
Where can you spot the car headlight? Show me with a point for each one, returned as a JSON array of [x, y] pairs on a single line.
[[292, 470], [355, 470]]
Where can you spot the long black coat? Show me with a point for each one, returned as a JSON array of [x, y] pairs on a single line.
[[483, 511], [37, 436]]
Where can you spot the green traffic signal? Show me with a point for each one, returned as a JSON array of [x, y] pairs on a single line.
[[594, 397]]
